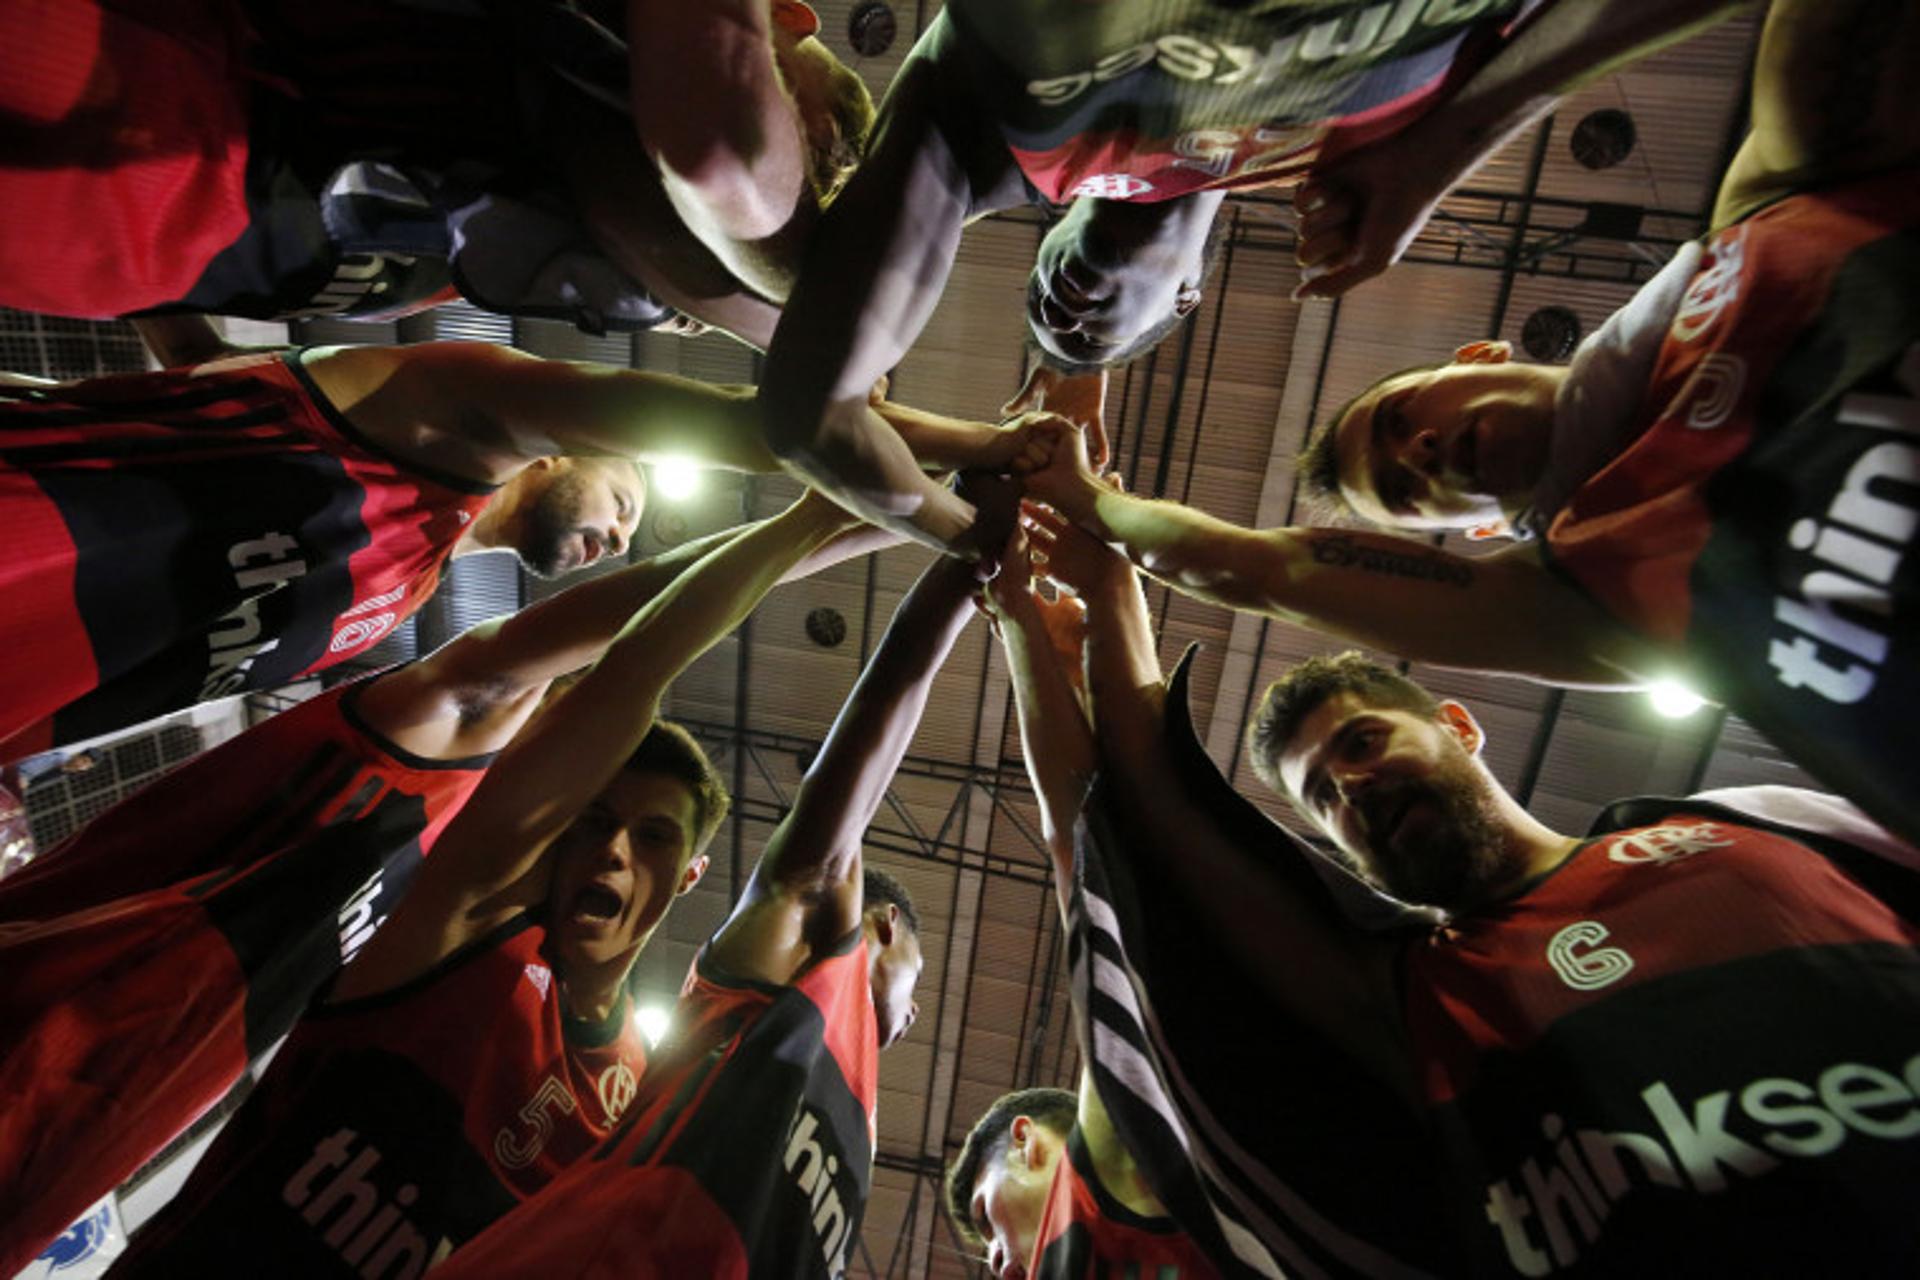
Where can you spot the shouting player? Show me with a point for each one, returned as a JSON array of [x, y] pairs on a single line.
[[189, 534], [483, 1040], [1043, 1185], [750, 1149], [203, 913]]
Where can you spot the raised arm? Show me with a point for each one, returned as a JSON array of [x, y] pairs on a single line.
[[487, 866], [1043, 645], [1360, 211], [713, 114], [471, 695], [1502, 613], [476, 407], [805, 894], [1832, 100], [875, 267]]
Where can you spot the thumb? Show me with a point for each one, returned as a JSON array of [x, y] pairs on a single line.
[[1029, 396]]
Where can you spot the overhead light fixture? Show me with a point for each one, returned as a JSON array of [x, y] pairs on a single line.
[[653, 1020], [675, 478], [1674, 700]]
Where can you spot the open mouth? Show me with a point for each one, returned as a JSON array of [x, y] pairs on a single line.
[[595, 904]]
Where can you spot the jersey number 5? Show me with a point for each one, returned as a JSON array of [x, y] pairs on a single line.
[[517, 1153]]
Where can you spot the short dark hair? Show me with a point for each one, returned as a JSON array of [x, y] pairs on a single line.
[[670, 750], [1303, 687], [1057, 1109], [1210, 255], [877, 886], [1318, 462]]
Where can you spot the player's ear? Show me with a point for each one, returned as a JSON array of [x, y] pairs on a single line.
[[1459, 722], [1484, 353], [885, 921], [691, 876], [1020, 1136]]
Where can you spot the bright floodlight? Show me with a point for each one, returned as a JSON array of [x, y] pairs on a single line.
[[652, 1020], [675, 478], [1673, 699]]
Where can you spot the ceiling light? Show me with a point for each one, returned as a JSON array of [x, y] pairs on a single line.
[[1673, 699], [675, 478], [652, 1019]]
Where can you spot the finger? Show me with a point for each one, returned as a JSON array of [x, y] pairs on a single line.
[[1326, 248], [1335, 211], [1031, 395], [1042, 518], [1331, 283]]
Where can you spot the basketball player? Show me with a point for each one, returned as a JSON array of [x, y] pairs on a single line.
[[1043, 1185], [375, 158], [484, 1040], [1546, 1062], [190, 534], [129, 1017], [1140, 121], [1719, 488], [750, 1148]]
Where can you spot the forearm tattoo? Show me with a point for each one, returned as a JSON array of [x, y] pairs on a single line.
[[1344, 551]]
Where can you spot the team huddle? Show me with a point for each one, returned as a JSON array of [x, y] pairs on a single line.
[[1444, 1040]]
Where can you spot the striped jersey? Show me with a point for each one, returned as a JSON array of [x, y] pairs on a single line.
[[189, 534], [1690, 1049]]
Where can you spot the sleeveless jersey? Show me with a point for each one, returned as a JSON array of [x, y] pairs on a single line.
[[275, 785], [748, 1152], [1629, 1091], [1152, 101], [120, 1024], [1086, 1234], [189, 534], [274, 159], [393, 1128], [1765, 517]]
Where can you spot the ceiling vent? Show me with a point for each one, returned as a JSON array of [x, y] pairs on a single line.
[[825, 627], [1603, 139], [1550, 334], [871, 28]]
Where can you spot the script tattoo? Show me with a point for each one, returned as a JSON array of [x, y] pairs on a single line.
[[1344, 551]]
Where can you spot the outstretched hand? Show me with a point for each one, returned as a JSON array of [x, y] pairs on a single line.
[[1068, 554], [1359, 213], [1080, 398]]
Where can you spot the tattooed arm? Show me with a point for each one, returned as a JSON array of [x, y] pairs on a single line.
[[1832, 100], [1503, 613]]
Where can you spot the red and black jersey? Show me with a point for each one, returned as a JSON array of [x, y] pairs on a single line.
[[1693, 1048], [275, 785], [1150, 102], [189, 534], [393, 1128], [1766, 517], [121, 1023], [1086, 1234], [748, 1152]]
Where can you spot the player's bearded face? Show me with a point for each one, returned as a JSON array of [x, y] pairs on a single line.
[[588, 510], [1432, 839]]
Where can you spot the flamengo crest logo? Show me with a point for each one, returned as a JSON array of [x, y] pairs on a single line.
[[358, 629], [616, 1087], [1665, 844]]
